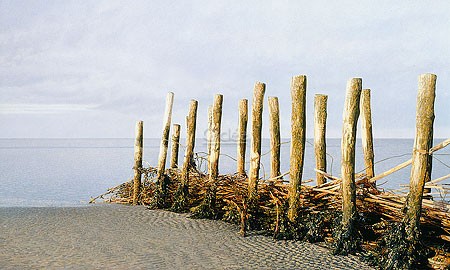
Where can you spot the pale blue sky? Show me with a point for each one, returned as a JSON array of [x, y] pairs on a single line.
[[93, 68]]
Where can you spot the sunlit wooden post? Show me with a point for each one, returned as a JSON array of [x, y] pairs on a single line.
[[208, 136], [215, 137], [190, 141], [138, 149], [255, 153], [242, 130], [275, 141], [366, 133], [298, 130], [165, 137], [175, 146], [320, 145]]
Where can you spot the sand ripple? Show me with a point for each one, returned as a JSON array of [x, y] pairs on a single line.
[[122, 237]]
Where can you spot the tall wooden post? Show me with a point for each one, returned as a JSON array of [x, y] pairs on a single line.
[[242, 129], [366, 133], [255, 154], [165, 136], [298, 130], [320, 145], [209, 136], [138, 149], [215, 137], [421, 167], [275, 141], [190, 141], [175, 146]]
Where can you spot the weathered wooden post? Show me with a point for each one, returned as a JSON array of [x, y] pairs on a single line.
[[242, 129], [275, 141], [347, 241], [207, 209], [138, 149], [175, 146], [255, 154], [181, 195], [159, 200], [298, 130], [320, 145], [366, 133], [208, 135], [411, 254]]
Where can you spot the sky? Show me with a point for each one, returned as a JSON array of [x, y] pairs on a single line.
[[91, 69]]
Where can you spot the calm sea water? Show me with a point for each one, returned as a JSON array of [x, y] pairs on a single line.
[[68, 172]]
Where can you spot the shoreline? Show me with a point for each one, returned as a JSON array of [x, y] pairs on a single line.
[[123, 237]]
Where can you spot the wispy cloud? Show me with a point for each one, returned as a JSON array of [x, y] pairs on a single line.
[[43, 108]]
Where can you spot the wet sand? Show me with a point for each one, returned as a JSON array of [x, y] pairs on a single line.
[[123, 237]]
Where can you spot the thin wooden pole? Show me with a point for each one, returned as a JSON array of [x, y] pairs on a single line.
[[138, 149], [351, 113], [209, 136], [275, 141], [165, 137], [320, 145], [298, 130], [420, 169], [175, 146], [190, 141], [215, 137], [366, 133], [242, 143], [255, 154]]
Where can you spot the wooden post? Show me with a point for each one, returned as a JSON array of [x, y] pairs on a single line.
[[175, 146], [190, 141], [320, 145], [351, 113], [215, 137], [165, 137], [255, 154], [208, 135], [298, 130], [242, 143], [366, 133], [420, 169], [275, 141], [138, 149]]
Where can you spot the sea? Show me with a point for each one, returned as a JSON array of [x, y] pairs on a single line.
[[69, 172]]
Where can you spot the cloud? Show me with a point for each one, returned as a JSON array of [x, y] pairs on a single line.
[[43, 109]]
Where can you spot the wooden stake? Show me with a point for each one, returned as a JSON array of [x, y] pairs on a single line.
[[209, 136], [138, 149], [242, 143], [320, 146], [165, 137], [190, 141], [255, 154], [298, 130], [351, 113], [215, 137], [275, 141], [421, 169], [366, 133], [175, 146]]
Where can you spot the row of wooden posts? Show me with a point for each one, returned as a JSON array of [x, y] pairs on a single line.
[[357, 103]]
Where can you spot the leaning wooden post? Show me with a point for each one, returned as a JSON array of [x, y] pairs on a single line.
[[255, 154], [275, 141], [320, 145], [181, 195], [420, 169], [298, 130], [138, 149], [347, 241], [242, 130], [366, 133], [175, 146]]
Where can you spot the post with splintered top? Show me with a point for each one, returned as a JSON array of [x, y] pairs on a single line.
[[175, 146], [275, 141], [320, 125], [242, 129], [347, 240], [298, 130], [255, 154], [138, 149], [366, 133]]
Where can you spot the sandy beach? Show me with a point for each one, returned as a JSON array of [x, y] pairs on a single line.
[[123, 237]]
